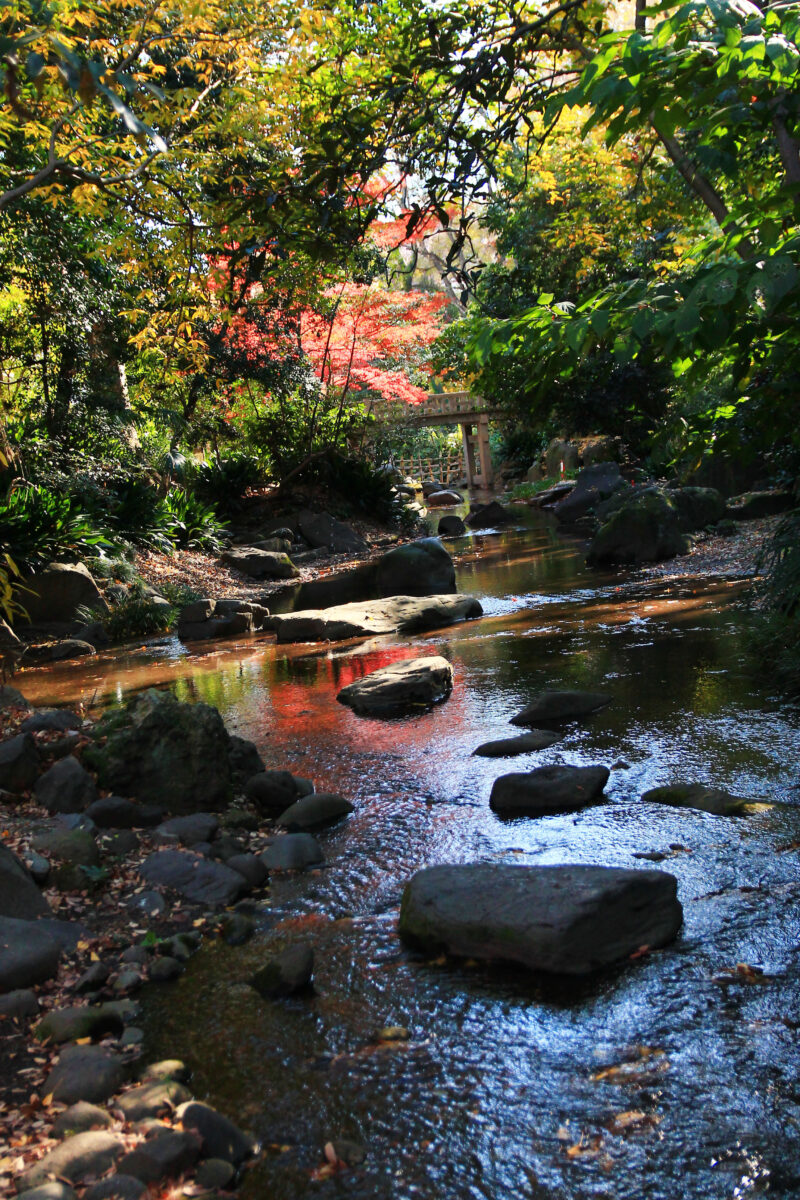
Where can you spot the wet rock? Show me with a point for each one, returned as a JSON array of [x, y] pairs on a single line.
[[162, 1157], [250, 867], [397, 614], [54, 1190], [244, 760], [526, 743], [81, 1157], [93, 978], [59, 651], [152, 1099], [313, 812], [547, 790], [444, 498], [117, 812], [286, 973], [293, 852], [403, 687], [260, 564], [236, 929], [429, 486], [198, 610], [646, 528], [52, 595], [85, 1073], [701, 797], [19, 1005], [568, 920], [199, 879], [19, 896], [164, 969], [165, 752], [80, 1118], [560, 706], [220, 1137], [451, 526], [116, 1187], [188, 830], [19, 763], [215, 1173], [322, 530], [272, 791], [51, 719], [72, 1024], [66, 788], [28, 954], [594, 483], [420, 568], [487, 516]]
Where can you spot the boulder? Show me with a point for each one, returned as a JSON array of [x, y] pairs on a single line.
[[487, 516], [703, 798], [220, 1137], [285, 973], [74, 846], [569, 920], [768, 503], [19, 763], [430, 487], [28, 954], [66, 788], [552, 495], [117, 812], [560, 456], [85, 1073], [536, 739], [260, 564], [313, 812], [545, 790], [197, 611], [19, 896], [10, 697], [244, 760], [592, 485], [217, 627], [397, 614], [80, 1118], [84, 1156], [322, 530], [410, 686], [697, 507], [444, 499], [55, 593], [293, 852], [199, 879], [47, 720], [188, 830], [272, 791], [451, 526], [646, 528], [250, 867], [420, 568], [164, 1156], [152, 1099], [166, 752], [560, 706], [598, 448], [84, 1021]]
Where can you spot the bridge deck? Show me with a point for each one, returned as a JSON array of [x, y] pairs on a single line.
[[439, 408]]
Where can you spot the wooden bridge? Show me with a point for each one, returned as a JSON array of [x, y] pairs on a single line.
[[452, 408]]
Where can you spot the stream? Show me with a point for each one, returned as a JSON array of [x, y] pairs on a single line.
[[675, 1076]]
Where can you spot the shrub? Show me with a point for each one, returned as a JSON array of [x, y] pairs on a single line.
[[225, 482], [194, 524], [37, 526]]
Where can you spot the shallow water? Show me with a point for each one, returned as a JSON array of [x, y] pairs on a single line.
[[502, 1088]]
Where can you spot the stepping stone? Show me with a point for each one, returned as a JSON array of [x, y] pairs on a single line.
[[526, 743], [293, 852], [413, 685], [152, 1099], [272, 791], [85, 1073], [220, 1137], [568, 920], [199, 879], [560, 706], [285, 973], [162, 1157], [312, 812], [395, 614], [705, 799], [80, 1118], [28, 955], [84, 1156], [547, 790]]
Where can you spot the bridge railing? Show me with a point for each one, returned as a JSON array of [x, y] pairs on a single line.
[[449, 406]]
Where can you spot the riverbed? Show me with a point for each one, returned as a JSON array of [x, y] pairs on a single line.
[[674, 1076]]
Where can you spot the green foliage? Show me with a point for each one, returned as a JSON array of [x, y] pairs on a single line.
[[193, 524], [37, 527], [361, 488], [526, 491], [224, 482], [139, 615], [777, 622]]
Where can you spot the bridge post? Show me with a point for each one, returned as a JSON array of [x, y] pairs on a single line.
[[477, 453]]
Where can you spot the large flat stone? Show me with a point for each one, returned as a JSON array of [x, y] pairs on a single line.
[[544, 790], [28, 955], [199, 879], [313, 812], [560, 706], [396, 614], [409, 686], [83, 1156], [526, 743], [568, 920], [85, 1073], [703, 798], [260, 564]]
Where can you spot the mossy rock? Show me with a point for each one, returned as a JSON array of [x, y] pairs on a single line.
[[647, 528]]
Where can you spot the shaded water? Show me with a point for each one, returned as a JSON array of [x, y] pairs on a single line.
[[502, 1088]]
